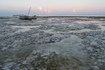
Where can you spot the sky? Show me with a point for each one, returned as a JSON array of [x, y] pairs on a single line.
[[52, 7]]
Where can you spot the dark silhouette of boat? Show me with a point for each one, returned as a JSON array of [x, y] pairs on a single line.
[[27, 17]]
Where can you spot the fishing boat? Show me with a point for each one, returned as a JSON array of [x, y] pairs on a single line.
[[27, 17]]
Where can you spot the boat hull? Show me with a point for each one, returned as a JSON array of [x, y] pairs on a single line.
[[27, 17]]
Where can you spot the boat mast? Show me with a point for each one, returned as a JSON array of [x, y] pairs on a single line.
[[29, 11]]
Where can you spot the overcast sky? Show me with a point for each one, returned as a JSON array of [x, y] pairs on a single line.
[[52, 7]]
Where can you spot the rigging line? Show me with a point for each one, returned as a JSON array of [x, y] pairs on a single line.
[[29, 11]]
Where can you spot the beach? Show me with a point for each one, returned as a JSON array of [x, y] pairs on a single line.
[[52, 43]]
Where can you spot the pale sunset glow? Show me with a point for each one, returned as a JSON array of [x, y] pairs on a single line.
[[47, 11], [40, 8], [43, 10], [74, 10], [53, 7]]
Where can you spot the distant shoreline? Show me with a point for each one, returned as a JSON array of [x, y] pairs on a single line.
[[71, 16], [57, 16]]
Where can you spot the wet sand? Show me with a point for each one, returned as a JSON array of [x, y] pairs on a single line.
[[53, 43]]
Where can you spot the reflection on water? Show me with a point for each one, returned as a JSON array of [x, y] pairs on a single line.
[[18, 26], [23, 28]]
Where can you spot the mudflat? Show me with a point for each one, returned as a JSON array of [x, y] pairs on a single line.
[[52, 43]]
